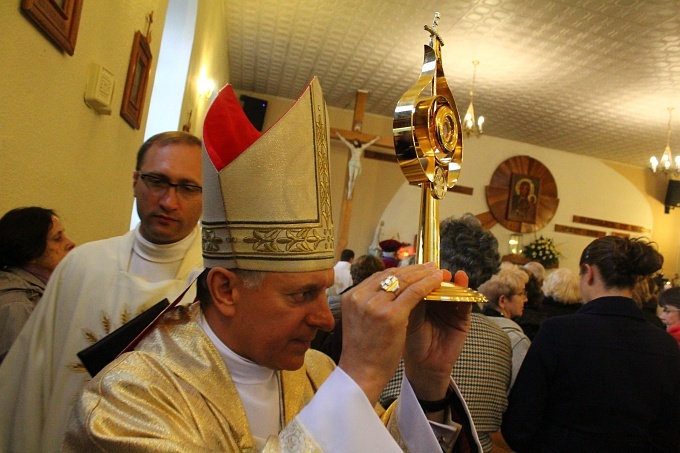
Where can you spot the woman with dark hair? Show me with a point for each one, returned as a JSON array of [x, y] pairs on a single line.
[[32, 243], [602, 379]]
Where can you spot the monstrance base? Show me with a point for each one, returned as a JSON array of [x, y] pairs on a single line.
[[448, 292]]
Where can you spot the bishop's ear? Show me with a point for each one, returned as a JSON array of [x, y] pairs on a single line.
[[221, 283]]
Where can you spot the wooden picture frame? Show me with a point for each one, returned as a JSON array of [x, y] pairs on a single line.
[[506, 181], [58, 19], [136, 82]]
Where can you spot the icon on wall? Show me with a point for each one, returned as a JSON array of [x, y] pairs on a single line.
[[523, 198], [58, 20]]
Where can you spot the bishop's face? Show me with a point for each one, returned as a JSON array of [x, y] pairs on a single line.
[[275, 324]]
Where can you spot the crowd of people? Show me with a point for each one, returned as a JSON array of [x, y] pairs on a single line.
[[270, 344]]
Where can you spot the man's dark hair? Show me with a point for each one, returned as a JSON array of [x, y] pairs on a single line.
[[164, 139], [365, 266], [23, 235], [466, 246], [347, 255], [202, 290]]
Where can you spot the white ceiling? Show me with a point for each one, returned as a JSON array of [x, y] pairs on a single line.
[[593, 77]]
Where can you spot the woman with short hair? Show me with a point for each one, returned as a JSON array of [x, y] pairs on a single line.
[[32, 243], [507, 295]]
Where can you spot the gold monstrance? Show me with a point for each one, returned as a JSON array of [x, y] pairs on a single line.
[[429, 148]]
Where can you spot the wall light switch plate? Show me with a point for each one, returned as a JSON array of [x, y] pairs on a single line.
[[99, 91]]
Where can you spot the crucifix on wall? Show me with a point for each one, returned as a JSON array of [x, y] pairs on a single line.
[[357, 142], [384, 143], [354, 165]]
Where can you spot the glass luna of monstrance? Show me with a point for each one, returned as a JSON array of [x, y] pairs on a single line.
[[429, 148]]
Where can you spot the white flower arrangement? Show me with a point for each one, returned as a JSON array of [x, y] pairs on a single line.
[[543, 250]]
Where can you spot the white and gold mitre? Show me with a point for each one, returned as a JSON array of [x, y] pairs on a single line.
[[266, 197]]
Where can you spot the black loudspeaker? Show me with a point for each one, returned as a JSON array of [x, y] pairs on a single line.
[[672, 195], [254, 109]]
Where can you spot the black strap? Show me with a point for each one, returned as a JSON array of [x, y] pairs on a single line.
[[438, 405], [125, 338]]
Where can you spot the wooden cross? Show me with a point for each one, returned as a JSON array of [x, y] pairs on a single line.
[[148, 28], [346, 209]]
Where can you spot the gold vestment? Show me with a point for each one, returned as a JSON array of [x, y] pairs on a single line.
[[182, 396]]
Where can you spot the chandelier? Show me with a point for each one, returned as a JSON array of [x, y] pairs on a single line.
[[666, 165], [470, 125]]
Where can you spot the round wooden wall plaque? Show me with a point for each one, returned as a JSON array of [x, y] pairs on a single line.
[[522, 194]]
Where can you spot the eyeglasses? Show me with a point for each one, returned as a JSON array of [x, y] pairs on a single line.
[[159, 186], [521, 293], [670, 310]]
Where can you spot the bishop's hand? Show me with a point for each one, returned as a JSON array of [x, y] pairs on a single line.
[[436, 333], [375, 322]]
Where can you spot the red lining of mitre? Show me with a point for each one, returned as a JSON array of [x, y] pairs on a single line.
[[227, 131]]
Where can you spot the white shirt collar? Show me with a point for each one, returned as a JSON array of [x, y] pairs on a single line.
[[162, 253]]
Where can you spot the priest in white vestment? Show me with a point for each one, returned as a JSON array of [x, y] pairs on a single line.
[[98, 287], [234, 372]]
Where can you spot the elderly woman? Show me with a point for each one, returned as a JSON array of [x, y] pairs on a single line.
[[562, 295], [32, 243], [670, 316], [507, 295], [602, 379]]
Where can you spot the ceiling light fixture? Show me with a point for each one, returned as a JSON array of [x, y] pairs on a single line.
[[470, 125], [666, 165]]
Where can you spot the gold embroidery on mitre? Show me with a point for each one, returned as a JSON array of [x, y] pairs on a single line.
[[291, 240], [324, 178], [271, 241], [211, 243]]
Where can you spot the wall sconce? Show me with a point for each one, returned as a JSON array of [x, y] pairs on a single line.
[[515, 244], [206, 86]]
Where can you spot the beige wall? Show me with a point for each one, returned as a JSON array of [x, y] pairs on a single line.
[[209, 56], [666, 226], [56, 152]]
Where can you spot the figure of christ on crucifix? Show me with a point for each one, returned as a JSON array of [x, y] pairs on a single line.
[[354, 165]]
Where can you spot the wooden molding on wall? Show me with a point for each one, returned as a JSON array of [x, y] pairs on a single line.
[[608, 224], [579, 231], [461, 189], [380, 156], [487, 219]]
